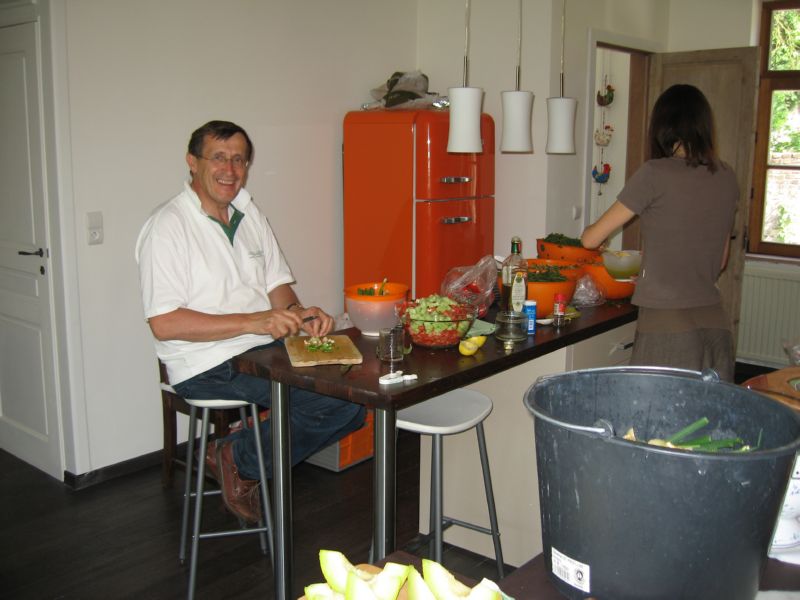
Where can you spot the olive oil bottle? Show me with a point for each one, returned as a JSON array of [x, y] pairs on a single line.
[[514, 278]]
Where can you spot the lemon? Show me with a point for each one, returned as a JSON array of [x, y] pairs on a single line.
[[478, 340], [467, 347]]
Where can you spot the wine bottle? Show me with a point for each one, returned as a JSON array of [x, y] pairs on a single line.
[[514, 279]]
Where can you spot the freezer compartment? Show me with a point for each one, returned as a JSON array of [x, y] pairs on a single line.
[[449, 234]]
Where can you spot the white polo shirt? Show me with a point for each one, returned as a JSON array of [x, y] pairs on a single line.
[[187, 261]]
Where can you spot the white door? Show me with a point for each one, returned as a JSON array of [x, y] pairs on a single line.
[[29, 414]]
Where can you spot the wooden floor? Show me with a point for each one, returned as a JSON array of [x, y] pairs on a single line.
[[119, 539]]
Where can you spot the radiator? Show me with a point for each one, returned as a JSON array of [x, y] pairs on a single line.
[[770, 313]]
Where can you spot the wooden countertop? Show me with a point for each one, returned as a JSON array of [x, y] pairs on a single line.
[[438, 371]]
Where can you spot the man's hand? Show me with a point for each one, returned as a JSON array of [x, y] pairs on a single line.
[[277, 322], [316, 321]]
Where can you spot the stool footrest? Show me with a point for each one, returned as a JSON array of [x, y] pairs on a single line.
[[447, 521], [231, 532]]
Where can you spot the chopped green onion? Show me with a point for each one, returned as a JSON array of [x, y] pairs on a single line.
[[689, 430]]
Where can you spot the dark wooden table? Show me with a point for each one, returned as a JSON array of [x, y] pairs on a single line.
[[438, 371], [531, 582]]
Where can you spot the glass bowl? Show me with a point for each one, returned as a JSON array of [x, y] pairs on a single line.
[[442, 327], [622, 264]]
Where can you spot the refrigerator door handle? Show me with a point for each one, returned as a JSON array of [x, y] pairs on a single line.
[[455, 220], [461, 179]]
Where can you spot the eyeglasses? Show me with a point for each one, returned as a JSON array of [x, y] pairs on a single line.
[[220, 160]]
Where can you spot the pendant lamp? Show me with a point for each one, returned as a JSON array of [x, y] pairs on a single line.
[[561, 111], [465, 108], [517, 109]]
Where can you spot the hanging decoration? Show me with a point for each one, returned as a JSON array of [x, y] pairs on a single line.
[[602, 137], [601, 176], [604, 99]]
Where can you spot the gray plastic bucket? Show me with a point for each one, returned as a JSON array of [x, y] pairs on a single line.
[[625, 520]]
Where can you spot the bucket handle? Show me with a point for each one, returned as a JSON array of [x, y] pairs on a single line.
[[601, 427]]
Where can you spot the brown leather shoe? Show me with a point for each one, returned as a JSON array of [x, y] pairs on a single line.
[[240, 495]]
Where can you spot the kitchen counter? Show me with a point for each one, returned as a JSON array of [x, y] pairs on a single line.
[[605, 331]]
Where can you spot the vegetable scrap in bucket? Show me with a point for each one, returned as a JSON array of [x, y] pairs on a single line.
[[701, 443]]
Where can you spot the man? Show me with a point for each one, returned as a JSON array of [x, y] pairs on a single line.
[[215, 284]]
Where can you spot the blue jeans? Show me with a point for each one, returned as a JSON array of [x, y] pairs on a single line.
[[315, 420]]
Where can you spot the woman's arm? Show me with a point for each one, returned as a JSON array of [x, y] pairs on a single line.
[[616, 216]]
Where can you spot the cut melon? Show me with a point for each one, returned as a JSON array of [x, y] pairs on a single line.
[[441, 581], [321, 591], [445, 586], [335, 567], [417, 588], [386, 584]]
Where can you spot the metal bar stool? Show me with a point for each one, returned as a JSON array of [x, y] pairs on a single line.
[[264, 528], [450, 413]]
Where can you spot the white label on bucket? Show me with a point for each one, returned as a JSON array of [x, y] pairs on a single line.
[[571, 571]]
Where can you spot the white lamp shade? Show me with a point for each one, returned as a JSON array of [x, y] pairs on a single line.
[[561, 125], [517, 113], [465, 119]]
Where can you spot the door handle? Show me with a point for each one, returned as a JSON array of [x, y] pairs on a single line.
[[455, 220], [460, 179], [39, 252]]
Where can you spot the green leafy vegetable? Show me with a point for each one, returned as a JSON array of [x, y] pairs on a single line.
[[542, 273], [562, 240], [317, 344]]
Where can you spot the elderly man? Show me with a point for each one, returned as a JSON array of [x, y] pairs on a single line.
[[215, 284]]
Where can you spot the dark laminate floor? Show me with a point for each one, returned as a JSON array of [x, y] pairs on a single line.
[[119, 539]]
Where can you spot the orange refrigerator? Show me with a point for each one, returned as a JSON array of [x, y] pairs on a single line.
[[411, 210]]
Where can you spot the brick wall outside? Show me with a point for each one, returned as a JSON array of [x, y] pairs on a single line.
[[782, 208]]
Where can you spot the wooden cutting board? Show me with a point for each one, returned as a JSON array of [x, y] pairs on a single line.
[[344, 352], [375, 570]]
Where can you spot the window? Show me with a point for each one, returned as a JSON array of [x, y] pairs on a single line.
[[775, 209]]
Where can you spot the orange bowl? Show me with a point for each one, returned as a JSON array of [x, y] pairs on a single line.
[[544, 292], [570, 270], [613, 289], [572, 254]]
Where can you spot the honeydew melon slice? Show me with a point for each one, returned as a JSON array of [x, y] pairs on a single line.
[[321, 591], [446, 587], [386, 584], [417, 588], [382, 587], [335, 567]]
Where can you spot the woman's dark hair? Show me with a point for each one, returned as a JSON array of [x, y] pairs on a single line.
[[683, 116], [220, 130]]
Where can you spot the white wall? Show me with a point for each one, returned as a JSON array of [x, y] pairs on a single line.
[[142, 75], [137, 77]]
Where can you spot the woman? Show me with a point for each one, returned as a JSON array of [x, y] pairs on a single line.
[[686, 199]]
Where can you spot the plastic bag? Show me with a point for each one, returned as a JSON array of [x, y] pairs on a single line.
[[588, 293], [473, 285], [403, 90]]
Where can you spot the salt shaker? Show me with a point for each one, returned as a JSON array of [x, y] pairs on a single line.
[[559, 310]]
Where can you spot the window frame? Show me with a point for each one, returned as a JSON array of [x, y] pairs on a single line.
[[769, 82]]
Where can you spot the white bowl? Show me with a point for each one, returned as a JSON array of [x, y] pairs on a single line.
[[372, 315]]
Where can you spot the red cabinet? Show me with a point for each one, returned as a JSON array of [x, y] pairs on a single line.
[[411, 210]]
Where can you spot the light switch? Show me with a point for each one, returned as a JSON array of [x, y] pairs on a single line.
[[576, 212], [94, 228]]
